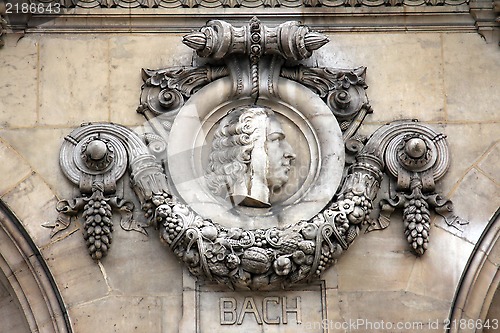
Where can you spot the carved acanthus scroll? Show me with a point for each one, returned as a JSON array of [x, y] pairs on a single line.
[[343, 90]]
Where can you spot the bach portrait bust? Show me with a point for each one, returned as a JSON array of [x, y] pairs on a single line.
[[250, 157]]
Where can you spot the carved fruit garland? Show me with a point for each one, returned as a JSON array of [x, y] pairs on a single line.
[[261, 258]]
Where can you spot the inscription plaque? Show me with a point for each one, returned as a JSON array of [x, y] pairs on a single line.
[[221, 310]]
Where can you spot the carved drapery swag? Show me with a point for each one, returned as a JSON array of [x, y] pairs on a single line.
[[257, 66]]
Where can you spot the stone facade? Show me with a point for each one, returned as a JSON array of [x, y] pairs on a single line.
[[51, 83]]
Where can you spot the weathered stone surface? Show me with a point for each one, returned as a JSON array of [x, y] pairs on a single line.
[[468, 75], [480, 193], [494, 254], [80, 279], [13, 168], [490, 165], [23, 276], [189, 299], [365, 309], [19, 84], [173, 306], [80, 66], [468, 145], [130, 314], [128, 55], [125, 269], [493, 311], [436, 274], [12, 317], [390, 266], [474, 307], [45, 159], [334, 305], [15, 260], [33, 202], [404, 74]]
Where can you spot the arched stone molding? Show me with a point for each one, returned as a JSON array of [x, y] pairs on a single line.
[[480, 280], [29, 278]]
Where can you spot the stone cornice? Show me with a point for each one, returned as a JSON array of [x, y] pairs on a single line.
[[330, 16], [341, 19], [250, 3]]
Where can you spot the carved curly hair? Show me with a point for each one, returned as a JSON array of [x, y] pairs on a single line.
[[232, 147]]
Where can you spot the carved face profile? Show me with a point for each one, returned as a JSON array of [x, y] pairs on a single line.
[[250, 156]]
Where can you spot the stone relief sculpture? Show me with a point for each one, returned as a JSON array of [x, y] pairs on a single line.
[[250, 156], [249, 122]]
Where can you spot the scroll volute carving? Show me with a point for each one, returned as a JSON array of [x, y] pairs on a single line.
[[415, 158]]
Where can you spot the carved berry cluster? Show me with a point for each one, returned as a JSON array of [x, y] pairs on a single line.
[[416, 216], [98, 227]]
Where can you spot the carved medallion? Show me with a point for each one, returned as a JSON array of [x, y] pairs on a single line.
[[251, 171], [250, 157]]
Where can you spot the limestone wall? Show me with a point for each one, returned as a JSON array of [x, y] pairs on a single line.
[[50, 84]]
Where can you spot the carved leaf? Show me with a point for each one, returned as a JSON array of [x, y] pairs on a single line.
[[190, 3], [150, 3], [322, 80], [108, 3], [184, 79], [231, 3], [272, 3], [126, 209], [312, 3], [435, 2], [187, 80], [62, 222], [129, 224], [444, 207]]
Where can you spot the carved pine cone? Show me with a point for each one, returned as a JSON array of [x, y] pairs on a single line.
[[218, 268], [98, 227], [288, 246], [416, 217]]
